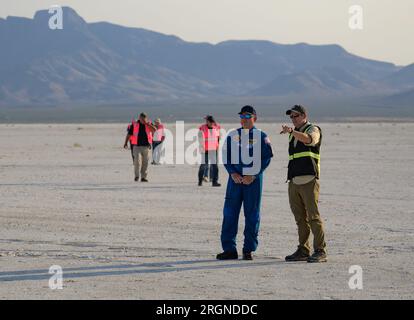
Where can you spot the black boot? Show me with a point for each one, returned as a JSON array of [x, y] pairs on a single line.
[[247, 256], [299, 255], [228, 255], [318, 256]]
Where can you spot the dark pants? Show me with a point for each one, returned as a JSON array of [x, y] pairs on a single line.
[[206, 171], [155, 144], [209, 157], [250, 197]]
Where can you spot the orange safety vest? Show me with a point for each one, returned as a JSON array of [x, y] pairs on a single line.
[[159, 134], [210, 137], [134, 137]]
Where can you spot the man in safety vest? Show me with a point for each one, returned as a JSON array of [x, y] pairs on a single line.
[[303, 176], [247, 153], [140, 137], [209, 138]]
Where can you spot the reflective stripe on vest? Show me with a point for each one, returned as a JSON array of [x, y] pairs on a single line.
[[304, 154], [303, 159], [308, 154]]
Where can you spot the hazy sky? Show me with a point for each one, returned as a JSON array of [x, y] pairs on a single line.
[[387, 34]]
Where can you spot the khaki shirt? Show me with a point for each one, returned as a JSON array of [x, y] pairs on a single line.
[[315, 135]]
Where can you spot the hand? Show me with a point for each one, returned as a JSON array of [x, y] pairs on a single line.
[[237, 178], [286, 129], [248, 179], [126, 146]]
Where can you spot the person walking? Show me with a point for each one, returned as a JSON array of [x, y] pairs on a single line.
[[157, 142], [247, 153], [209, 138], [303, 175], [140, 136], [207, 177]]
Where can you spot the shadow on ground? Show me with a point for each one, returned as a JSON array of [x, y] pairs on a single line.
[[130, 269]]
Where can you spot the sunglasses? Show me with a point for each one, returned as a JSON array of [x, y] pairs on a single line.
[[246, 116], [294, 116]]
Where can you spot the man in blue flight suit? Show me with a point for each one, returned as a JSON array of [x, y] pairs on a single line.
[[247, 152]]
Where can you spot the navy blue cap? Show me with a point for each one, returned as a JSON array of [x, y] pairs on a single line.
[[248, 109]]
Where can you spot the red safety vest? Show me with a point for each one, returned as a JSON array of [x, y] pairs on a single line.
[[210, 137], [134, 137], [159, 134]]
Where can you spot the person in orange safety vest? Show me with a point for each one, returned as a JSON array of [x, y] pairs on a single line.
[[140, 135], [209, 139]]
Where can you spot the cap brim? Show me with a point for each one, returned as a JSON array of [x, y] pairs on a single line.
[[289, 112]]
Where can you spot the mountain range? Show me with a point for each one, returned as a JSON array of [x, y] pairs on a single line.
[[106, 64]]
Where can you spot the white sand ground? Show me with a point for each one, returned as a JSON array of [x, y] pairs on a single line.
[[76, 206]]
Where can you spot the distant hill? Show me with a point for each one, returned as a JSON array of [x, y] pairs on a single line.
[[401, 99], [401, 79], [103, 63]]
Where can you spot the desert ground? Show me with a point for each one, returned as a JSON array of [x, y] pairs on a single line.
[[67, 198]]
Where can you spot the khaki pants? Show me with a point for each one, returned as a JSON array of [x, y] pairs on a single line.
[[303, 200], [141, 158]]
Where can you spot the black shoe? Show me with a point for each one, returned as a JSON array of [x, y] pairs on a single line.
[[299, 255], [200, 183], [247, 256], [228, 255], [136, 179], [144, 180], [216, 184], [318, 256]]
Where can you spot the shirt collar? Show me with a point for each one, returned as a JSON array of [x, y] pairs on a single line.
[[254, 127]]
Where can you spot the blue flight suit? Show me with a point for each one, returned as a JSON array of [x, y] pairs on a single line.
[[248, 195]]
